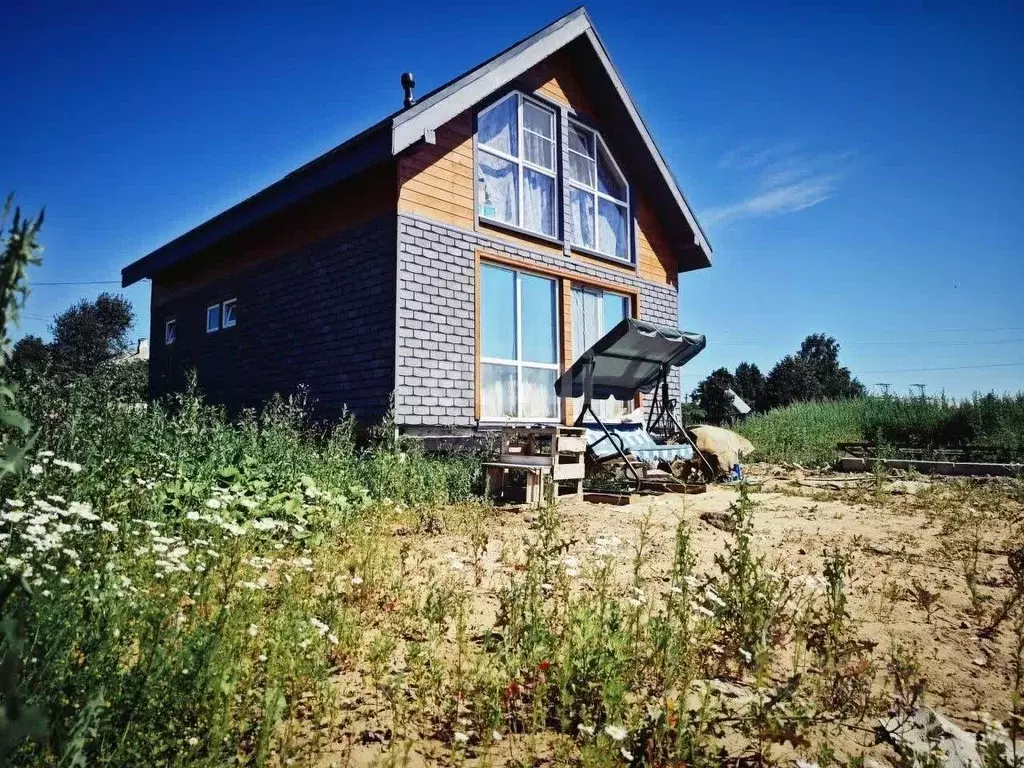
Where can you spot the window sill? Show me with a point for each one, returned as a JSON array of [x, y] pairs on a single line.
[[603, 256], [495, 224]]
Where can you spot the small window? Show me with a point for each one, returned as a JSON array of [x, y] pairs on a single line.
[[516, 164], [598, 196], [170, 331], [213, 318], [228, 314]]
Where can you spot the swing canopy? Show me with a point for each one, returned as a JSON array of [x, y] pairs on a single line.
[[630, 358]]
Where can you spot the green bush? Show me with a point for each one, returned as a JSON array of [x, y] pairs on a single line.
[[809, 432]]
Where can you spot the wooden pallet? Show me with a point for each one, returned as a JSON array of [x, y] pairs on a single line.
[[549, 457]]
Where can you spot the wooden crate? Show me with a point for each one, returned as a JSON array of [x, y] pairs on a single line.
[[557, 452]]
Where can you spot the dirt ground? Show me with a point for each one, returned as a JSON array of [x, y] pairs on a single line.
[[899, 534], [905, 536]]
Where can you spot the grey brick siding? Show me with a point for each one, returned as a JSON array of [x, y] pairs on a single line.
[[435, 316], [322, 317]]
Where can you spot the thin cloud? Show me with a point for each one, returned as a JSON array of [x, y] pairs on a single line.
[[786, 182]]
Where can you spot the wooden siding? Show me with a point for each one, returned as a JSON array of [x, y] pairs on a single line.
[[437, 181], [333, 211]]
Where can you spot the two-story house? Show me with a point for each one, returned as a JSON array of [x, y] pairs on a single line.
[[459, 254]]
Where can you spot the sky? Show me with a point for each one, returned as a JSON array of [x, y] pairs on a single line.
[[859, 173]]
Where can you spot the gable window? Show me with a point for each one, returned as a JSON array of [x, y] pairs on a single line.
[[598, 196], [594, 313], [518, 345], [213, 318], [228, 318], [516, 164], [170, 331]]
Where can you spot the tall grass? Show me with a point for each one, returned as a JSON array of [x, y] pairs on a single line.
[[809, 432]]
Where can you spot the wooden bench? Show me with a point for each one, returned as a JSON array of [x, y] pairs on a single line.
[[547, 455]]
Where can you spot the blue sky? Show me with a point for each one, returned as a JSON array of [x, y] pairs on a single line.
[[859, 173]]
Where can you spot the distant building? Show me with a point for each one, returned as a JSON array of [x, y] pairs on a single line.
[[141, 353], [738, 403]]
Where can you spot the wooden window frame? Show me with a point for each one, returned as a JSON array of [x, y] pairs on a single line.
[[565, 279], [518, 363]]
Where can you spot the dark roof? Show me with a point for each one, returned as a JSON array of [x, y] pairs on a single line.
[[403, 128]]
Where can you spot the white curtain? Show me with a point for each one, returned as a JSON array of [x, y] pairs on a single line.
[[538, 200], [587, 327], [539, 400], [581, 207], [498, 391], [499, 188], [611, 223]]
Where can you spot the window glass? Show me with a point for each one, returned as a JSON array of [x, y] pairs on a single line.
[[498, 312], [616, 309], [540, 344], [538, 202], [498, 127], [213, 318], [611, 228], [498, 390], [581, 140], [608, 180], [228, 313], [516, 174], [539, 398], [581, 169], [499, 189], [170, 331], [519, 344], [581, 211]]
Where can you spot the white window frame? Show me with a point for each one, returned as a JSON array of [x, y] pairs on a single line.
[[215, 328], [521, 162], [224, 313], [519, 363], [170, 325], [598, 195]]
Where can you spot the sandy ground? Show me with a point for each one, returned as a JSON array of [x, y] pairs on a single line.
[[899, 536], [896, 541]]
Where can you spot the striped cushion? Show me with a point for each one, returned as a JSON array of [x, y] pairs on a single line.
[[635, 440]]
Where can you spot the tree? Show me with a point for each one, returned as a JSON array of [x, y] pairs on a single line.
[[91, 333], [792, 380], [821, 353], [30, 358], [750, 385], [710, 396]]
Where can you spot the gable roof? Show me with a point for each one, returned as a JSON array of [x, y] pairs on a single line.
[[404, 128]]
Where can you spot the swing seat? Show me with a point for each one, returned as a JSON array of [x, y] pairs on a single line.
[[635, 440]]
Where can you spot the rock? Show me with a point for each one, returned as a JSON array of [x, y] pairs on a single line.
[[719, 520], [925, 730]]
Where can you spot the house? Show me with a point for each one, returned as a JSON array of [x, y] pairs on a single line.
[[459, 254]]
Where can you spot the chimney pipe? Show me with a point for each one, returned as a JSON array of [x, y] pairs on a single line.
[[408, 83]]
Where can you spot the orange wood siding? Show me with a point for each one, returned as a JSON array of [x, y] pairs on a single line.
[[362, 198], [437, 181]]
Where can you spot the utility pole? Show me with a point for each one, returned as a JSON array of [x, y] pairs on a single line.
[[885, 387], [920, 389]]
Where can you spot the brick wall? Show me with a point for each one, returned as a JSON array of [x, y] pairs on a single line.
[[435, 384], [321, 316]]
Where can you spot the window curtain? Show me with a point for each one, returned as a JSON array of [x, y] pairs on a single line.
[[587, 327], [611, 224], [539, 399], [581, 207], [538, 202], [498, 391], [499, 188]]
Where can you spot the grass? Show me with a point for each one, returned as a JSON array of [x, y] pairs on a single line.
[[807, 433], [202, 591]]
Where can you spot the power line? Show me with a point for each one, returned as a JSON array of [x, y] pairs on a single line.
[[34, 283], [951, 368], [895, 341]]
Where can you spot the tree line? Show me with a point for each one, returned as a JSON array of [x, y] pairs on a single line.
[[812, 373]]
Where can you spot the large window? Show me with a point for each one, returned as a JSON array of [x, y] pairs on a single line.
[[518, 345], [594, 313], [516, 164], [598, 196]]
